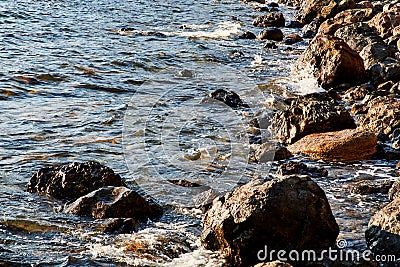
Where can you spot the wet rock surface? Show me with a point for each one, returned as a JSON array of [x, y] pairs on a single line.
[[368, 187], [285, 213], [293, 167], [273, 34], [345, 145], [114, 202], [314, 113], [331, 61], [229, 98], [72, 180], [394, 191], [270, 20]]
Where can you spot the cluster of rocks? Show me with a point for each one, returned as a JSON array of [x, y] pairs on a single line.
[[93, 190]]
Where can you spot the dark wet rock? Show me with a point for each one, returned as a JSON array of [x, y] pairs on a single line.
[[270, 45], [273, 34], [229, 98], [72, 180], [383, 232], [394, 191], [184, 183], [270, 20], [383, 137], [290, 213], [114, 202], [331, 61], [294, 24], [273, 264], [247, 35], [396, 139], [385, 151], [266, 152], [315, 113], [310, 30], [383, 115], [387, 70], [292, 39], [345, 18], [273, 4], [299, 168], [367, 187], [323, 9], [118, 225], [345, 145]]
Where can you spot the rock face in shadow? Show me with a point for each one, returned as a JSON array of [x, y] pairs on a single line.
[[315, 113], [114, 202], [383, 233], [346, 145], [287, 213], [72, 180], [331, 61]]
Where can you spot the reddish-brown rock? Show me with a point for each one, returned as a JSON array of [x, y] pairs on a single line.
[[346, 145]]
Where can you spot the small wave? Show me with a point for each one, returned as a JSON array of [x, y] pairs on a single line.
[[225, 29]]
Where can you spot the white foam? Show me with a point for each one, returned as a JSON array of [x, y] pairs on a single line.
[[225, 29]]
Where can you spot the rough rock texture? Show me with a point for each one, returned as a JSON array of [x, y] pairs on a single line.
[[293, 167], [114, 202], [383, 233], [72, 180], [270, 20], [384, 22], [273, 34], [118, 225], [383, 115], [229, 98], [322, 9], [394, 191], [346, 17], [345, 145], [331, 61], [287, 213], [315, 113], [292, 39]]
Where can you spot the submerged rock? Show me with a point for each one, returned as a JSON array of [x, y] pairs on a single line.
[[229, 98], [331, 61], [270, 20], [114, 202], [345, 145], [247, 35], [293, 167], [72, 180], [383, 232], [315, 113], [118, 225], [368, 187], [273, 34], [291, 213]]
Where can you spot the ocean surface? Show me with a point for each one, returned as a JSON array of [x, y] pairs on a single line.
[[125, 83]]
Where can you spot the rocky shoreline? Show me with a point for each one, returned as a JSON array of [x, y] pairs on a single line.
[[354, 55]]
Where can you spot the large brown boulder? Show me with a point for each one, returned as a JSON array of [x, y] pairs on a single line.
[[383, 115], [114, 202], [345, 145], [331, 61], [315, 113], [290, 213], [383, 233], [72, 180]]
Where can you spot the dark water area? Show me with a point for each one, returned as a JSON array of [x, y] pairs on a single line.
[[70, 71]]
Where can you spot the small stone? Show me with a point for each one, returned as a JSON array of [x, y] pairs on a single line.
[[273, 34]]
